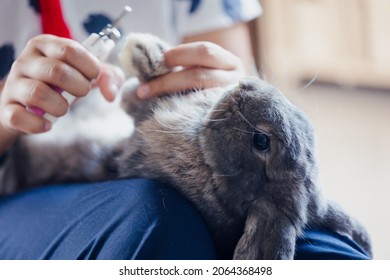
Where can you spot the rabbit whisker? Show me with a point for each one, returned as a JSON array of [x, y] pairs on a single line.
[[242, 130], [165, 125], [248, 122], [165, 131], [232, 98], [228, 175], [217, 120]]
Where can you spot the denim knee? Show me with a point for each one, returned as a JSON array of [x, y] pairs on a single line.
[[122, 219]]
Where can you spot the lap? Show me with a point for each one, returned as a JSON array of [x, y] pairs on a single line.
[[323, 244], [125, 219]]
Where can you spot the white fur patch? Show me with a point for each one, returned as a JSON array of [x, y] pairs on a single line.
[[94, 119], [184, 108]]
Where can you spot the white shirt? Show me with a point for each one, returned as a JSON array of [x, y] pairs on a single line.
[[169, 19]]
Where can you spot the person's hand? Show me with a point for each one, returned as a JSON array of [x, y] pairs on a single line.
[[49, 63], [109, 81], [203, 65], [46, 64]]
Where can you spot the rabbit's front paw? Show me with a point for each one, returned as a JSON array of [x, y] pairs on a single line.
[[142, 55]]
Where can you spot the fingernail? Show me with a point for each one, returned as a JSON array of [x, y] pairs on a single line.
[[114, 88], [143, 91], [95, 82], [48, 126]]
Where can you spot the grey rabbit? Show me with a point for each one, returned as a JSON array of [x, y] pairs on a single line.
[[243, 155]]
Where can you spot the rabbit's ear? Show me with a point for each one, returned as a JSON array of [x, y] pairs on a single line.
[[339, 221], [268, 233]]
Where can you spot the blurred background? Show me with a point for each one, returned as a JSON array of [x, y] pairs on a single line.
[[332, 59]]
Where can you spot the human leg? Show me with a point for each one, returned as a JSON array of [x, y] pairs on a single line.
[[124, 219], [323, 244]]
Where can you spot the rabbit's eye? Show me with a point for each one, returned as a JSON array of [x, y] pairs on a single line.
[[261, 141]]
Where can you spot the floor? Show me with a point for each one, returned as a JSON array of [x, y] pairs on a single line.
[[353, 134]]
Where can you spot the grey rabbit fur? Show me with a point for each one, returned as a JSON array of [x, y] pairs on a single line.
[[243, 155]]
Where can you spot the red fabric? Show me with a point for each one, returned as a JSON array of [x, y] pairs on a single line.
[[52, 18]]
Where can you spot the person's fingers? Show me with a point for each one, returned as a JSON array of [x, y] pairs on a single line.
[[46, 66], [189, 79], [204, 65], [68, 51], [55, 73], [32, 93], [109, 81], [17, 118], [203, 54]]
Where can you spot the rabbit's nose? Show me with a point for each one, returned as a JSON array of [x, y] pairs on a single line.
[[250, 84], [254, 84]]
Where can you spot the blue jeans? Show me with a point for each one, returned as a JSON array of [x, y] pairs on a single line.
[[125, 219]]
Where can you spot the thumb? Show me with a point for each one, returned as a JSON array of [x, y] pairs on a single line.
[[109, 81]]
